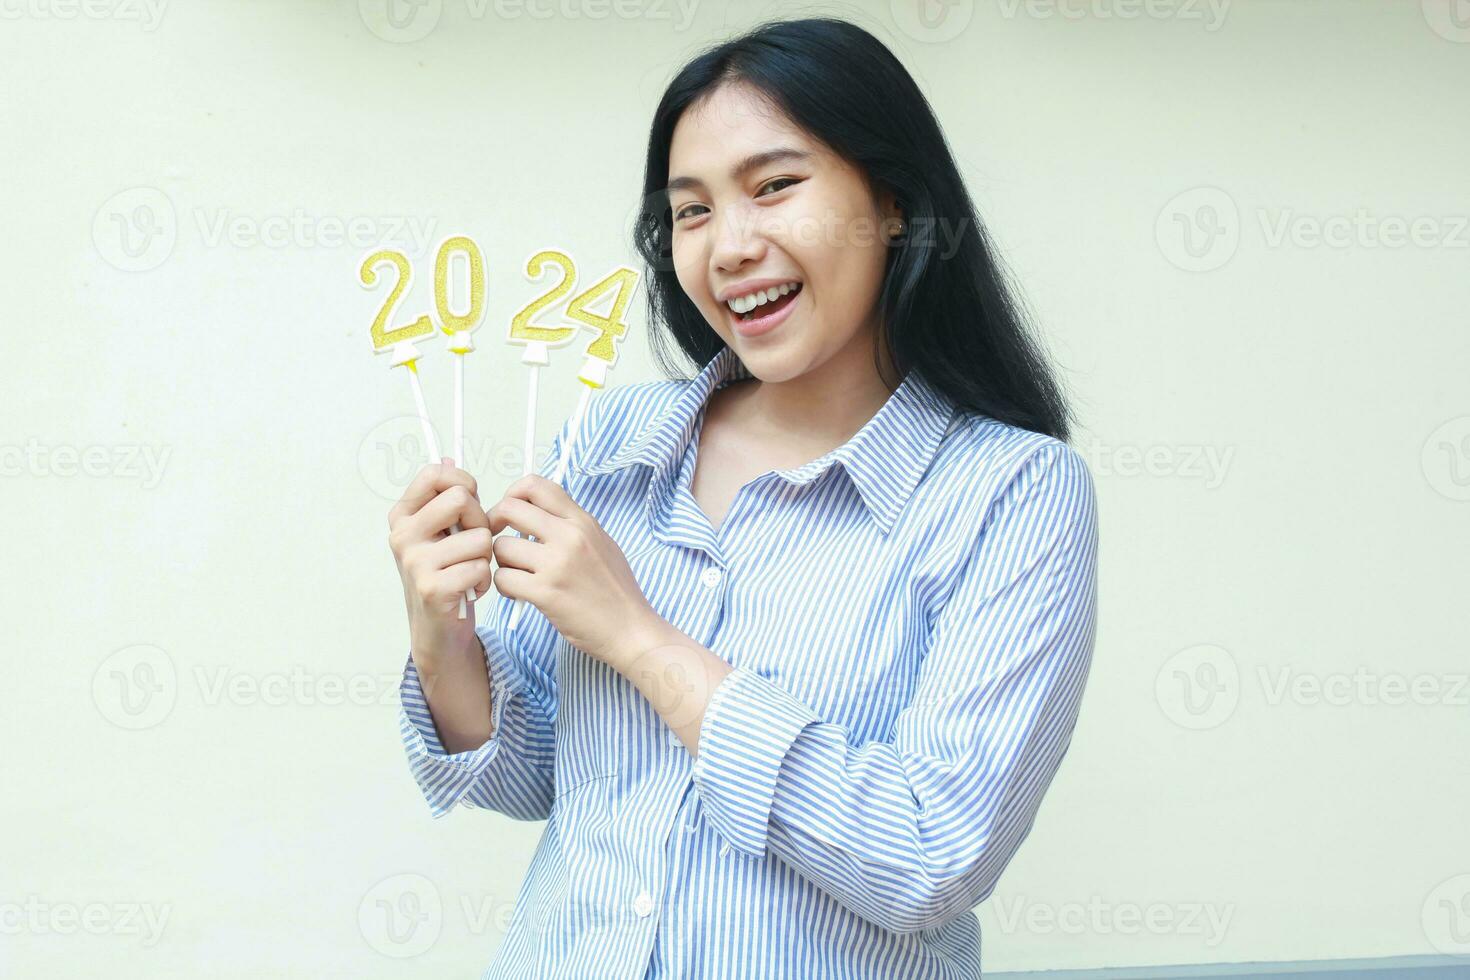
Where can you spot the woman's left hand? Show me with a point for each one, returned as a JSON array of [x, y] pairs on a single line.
[[573, 572]]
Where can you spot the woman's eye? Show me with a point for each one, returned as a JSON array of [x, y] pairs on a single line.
[[688, 210]]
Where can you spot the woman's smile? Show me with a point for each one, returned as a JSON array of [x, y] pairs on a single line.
[[767, 316]]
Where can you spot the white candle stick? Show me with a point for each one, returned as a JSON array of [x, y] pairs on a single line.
[[398, 341], [601, 353], [432, 445], [528, 454], [537, 341], [559, 473], [458, 327], [459, 410], [573, 427], [528, 464]]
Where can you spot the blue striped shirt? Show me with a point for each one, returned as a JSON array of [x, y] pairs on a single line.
[[910, 620]]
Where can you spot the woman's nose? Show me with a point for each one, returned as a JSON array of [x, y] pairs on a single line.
[[739, 238]]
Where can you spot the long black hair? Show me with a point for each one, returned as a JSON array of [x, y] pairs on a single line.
[[946, 307]]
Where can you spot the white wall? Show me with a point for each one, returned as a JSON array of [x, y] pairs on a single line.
[[1326, 538]]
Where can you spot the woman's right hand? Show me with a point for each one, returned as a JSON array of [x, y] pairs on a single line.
[[437, 567]]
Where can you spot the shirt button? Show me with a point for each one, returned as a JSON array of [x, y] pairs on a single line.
[[724, 850], [711, 576], [643, 905]]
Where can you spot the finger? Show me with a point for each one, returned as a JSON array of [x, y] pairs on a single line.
[[454, 506], [519, 553], [536, 489], [433, 480], [524, 517], [444, 589], [513, 583], [467, 545], [474, 573], [427, 484]]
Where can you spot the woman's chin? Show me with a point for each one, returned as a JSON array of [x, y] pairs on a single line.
[[771, 364]]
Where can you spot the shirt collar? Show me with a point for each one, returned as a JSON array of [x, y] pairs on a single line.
[[885, 459]]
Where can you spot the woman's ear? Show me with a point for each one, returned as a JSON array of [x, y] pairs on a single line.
[[894, 226]]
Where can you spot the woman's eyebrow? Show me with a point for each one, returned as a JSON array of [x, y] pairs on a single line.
[[752, 162]]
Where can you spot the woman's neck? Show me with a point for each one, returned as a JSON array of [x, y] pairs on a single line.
[[820, 410]]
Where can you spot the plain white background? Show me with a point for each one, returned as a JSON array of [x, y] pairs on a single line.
[[1241, 228]]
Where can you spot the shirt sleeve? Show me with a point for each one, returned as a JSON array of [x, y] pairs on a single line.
[[514, 770], [912, 832]]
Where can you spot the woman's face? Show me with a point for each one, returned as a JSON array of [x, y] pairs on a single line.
[[806, 218]]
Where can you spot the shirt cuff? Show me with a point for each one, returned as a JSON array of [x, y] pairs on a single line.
[[749, 726], [446, 776]]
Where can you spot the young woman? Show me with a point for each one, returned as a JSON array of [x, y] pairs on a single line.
[[813, 626]]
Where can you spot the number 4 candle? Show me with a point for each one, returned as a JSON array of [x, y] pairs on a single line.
[[601, 354]]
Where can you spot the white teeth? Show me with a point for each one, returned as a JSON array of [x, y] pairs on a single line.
[[744, 304]]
